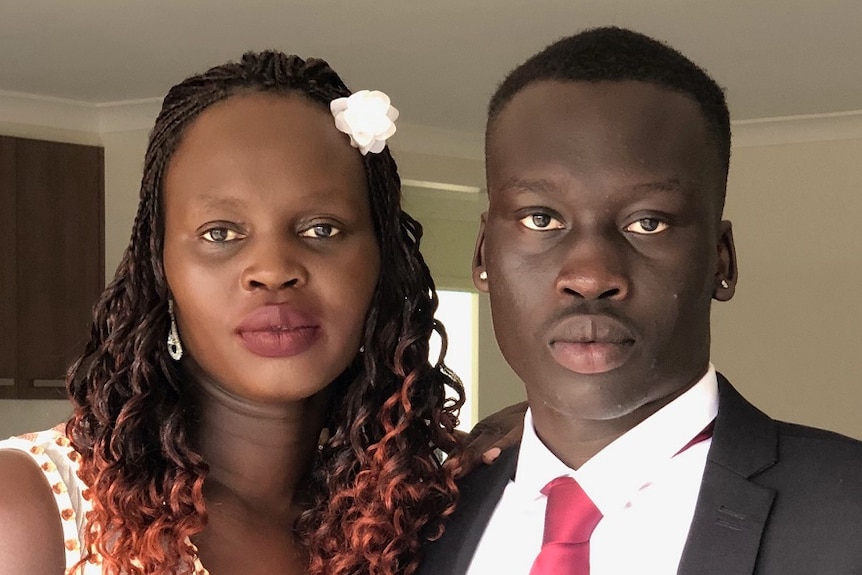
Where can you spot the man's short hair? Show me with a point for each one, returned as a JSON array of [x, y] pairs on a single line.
[[617, 54]]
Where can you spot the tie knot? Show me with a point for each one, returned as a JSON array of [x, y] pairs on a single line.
[[571, 516], [558, 482]]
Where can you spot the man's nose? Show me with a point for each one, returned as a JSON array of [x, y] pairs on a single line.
[[593, 269]]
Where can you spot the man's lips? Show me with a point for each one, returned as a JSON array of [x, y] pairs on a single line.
[[278, 330], [591, 344]]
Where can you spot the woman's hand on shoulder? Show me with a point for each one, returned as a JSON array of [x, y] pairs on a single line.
[[490, 437], [31, 535]]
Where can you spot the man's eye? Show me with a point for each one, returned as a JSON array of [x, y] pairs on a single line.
[[320, 231], [541, 222], [647, 226], [220, 235]]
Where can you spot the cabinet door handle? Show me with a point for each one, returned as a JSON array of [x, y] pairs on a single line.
[[49, 383]]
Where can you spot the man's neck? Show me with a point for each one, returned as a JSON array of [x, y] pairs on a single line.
[[574, 441]]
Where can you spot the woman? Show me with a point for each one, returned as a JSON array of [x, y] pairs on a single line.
[[272, 299]]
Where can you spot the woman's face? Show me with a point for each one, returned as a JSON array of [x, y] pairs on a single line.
[[270, 251]]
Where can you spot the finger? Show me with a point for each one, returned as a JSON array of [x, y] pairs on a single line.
[[491, 455], [489, 438], [463, 461]]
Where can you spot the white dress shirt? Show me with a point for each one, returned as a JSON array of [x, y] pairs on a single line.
[[645, 489]]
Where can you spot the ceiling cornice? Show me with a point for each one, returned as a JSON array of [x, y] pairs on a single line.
[[798, 129], [102, 118], [17, 108], [128, 115]]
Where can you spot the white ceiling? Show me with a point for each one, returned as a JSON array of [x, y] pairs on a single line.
[[439, 59]]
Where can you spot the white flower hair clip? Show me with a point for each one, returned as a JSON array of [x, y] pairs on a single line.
[[367, 117]]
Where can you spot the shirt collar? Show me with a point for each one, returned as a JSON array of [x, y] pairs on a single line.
[[611, 476]]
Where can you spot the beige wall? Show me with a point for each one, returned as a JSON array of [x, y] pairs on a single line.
[[789, 340], [22, 415], [124, 163]]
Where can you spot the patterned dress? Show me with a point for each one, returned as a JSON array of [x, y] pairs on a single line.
[[53, 453]]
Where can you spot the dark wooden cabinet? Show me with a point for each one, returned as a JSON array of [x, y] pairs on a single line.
[[8, 271], [52, 272]]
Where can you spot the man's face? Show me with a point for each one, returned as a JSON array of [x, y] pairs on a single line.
[[603, 244]]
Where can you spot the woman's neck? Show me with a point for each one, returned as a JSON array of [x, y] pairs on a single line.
[[258, 455]]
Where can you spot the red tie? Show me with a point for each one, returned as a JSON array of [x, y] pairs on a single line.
[[570, 518], [705, 434]]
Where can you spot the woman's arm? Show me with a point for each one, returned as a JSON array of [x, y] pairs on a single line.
[[31, 535]]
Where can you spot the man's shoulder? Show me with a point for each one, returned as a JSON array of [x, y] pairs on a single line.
[[784, 456], [795, 440], [742, 421], [815, 466], [820, 447], [815, 436]]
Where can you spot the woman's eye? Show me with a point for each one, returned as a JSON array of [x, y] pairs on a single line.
[[541, 222], [220, 235], [647, 226], [320, 231]]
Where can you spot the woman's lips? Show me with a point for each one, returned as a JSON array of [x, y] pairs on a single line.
[[280, 343], [278, 330]]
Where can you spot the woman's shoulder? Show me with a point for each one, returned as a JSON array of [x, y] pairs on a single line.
[[45, 439], [53, 454], [41, 500]]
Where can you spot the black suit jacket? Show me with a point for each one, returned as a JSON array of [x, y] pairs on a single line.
[[776, 499]]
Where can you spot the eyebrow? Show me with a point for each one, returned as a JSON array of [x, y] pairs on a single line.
[[668, 185], [208, 201], [203, 205], [520, 185]]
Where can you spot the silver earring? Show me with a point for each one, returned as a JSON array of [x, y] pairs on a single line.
[[724, 284], [175, 347], [483, 275]]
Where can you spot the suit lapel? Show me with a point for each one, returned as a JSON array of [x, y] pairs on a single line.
[[732, 510], [479, 493]]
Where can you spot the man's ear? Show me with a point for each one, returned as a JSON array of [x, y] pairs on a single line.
[[480, 275], [727, 273]]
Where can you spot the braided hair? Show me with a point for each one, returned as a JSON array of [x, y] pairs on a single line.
[[377, 488]]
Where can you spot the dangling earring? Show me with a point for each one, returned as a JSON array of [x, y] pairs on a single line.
[[175, 347]]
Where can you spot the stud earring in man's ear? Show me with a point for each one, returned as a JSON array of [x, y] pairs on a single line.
[[724, 284], [483, 275]]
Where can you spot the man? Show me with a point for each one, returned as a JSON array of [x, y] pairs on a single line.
[[603, 245]]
